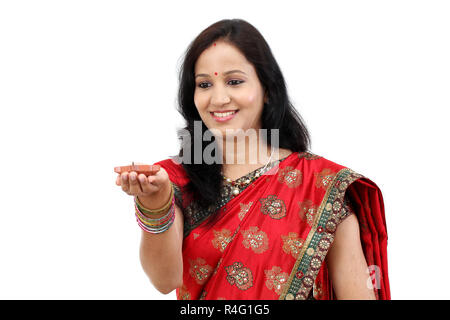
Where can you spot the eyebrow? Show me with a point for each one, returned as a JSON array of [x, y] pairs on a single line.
[[225, 73]]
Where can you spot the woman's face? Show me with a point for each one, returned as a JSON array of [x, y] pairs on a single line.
[[227, 82]]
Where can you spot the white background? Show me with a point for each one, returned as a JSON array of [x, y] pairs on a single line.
[[89, 85]]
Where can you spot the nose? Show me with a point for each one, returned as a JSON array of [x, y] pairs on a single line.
[[220, 96]]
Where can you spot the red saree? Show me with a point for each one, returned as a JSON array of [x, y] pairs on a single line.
[[270, 240]]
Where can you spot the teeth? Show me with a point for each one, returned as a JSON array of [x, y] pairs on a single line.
[[223, 114]]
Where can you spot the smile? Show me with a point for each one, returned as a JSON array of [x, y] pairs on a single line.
[[224, 116]]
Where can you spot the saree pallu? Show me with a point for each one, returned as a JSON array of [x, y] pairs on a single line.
[[270, 240]]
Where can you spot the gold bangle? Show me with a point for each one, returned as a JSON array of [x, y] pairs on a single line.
[[159, 210]]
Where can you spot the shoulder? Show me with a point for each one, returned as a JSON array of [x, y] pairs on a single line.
[[344, 187], [317, 166], [331, 176], [319, 160]]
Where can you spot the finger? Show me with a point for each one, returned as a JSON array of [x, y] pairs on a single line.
[[139, 168], [146, 187], [159, 178], [118, 180], [124, 182], [135, 187], [148, 170], [153, 181]]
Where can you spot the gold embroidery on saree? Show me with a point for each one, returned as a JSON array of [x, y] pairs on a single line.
[[239, 275], [307, 211], [194, 214], [183, 293], [308, 155], [221, 239], [273, 206], [255, 239], [317, 291], [324, 178], [320, 237], [244, 209], [292, 244], [199, 270], [290, 176], [276, 279]]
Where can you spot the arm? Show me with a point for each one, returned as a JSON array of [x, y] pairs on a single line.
[[161, 254], [346, 263]]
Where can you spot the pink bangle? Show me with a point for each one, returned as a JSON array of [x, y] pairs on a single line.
[[157, 225]]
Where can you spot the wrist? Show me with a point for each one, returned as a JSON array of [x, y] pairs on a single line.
[[157, 220], [158, 199]]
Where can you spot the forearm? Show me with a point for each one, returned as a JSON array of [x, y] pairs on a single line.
[[161, 254], [161, 258]]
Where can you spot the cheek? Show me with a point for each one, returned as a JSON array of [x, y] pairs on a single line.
[[200, 101], [251, 97], [244, 99], [254, 100]]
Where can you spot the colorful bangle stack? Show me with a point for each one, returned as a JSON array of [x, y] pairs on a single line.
[[145, 217]]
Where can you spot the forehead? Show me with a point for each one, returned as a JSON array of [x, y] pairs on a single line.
[[222, 56]]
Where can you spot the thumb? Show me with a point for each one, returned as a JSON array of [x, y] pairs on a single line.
[[159, 178]]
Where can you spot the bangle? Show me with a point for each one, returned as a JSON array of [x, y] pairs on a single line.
[[157, 225], [154, 222], [156, 231], [155, 211]]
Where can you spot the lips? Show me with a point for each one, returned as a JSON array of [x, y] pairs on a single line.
[[224, 117], [223, 111]]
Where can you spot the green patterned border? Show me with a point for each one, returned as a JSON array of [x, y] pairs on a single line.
[[320, 238]]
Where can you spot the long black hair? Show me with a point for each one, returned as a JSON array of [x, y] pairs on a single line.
[[278, 112]]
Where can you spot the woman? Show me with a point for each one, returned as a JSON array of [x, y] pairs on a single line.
[[293, 226]]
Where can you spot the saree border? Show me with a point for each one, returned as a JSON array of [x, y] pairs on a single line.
[[319, 239]]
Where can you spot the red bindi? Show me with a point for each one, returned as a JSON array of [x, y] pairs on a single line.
[[215, 73], [214, 44]]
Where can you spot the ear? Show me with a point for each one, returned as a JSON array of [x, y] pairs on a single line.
[[266, 97]]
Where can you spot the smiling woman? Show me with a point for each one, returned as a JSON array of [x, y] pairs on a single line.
[[293, 226], [233, 97]]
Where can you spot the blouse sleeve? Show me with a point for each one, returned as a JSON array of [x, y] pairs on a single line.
[[177, 177], [346, 209]]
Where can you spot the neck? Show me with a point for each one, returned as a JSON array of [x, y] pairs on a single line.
[[244, 155]]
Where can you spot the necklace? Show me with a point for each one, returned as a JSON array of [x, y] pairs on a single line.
[[237, 185]]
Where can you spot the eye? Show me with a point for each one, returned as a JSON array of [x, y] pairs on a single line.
[[204, 85], [235, 82]]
